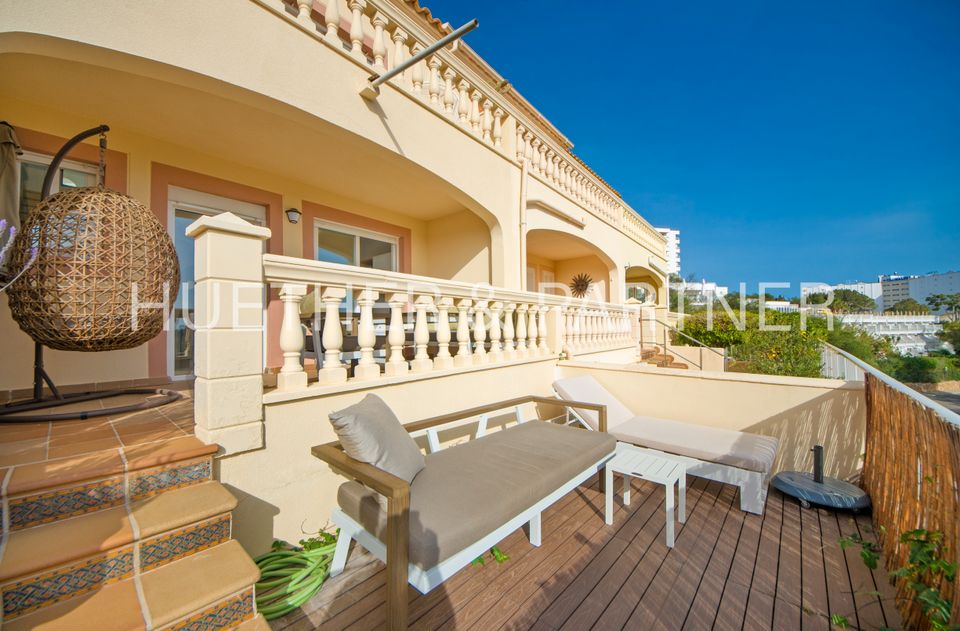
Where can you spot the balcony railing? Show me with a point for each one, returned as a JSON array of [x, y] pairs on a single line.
[[911, 470], [448, 325], [378, 36]]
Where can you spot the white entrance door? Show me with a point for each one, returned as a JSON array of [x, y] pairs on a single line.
[[185, 207]]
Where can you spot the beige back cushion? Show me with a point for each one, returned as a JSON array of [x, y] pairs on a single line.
[[370, 432], [588, 390]]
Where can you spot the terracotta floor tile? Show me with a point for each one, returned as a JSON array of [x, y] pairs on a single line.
[[21, 451], [134, 426], [52, 473], [23, 431], [150, 437], [153, 454], [82, 437], [82, 447], [65, 428]]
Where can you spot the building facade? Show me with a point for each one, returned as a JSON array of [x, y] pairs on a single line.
[[673, 249]]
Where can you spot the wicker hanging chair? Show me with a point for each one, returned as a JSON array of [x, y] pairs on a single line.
[[98, 253]]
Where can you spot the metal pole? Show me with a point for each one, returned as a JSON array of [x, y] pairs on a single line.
[[371, 90]]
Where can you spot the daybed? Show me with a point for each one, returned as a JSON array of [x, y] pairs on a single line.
[[724, 455], [436, 513]]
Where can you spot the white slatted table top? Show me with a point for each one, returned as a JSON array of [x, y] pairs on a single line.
[[646, 464]]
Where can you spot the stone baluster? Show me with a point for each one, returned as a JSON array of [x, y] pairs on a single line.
[[498, 127], [396, 336], [304, 7], [367, 367], [356, 27], [331, 18], [486, 124], [443, 360], [496, 348], [333, 370], [421, 335], [480, 333], [434, 88], [535, 155], [416, 73], [577, 328], [448, 99], [292, 375], [542, 329], [475, 97], [556, 170], [522, 331], [464, 356], [544, 162], [548, 171], [463, 103], [532, 331], [521, 143], [379, 47], [563, 175], [528, 149], [590, 337], [509, 351], [569, 330], [399, 51]]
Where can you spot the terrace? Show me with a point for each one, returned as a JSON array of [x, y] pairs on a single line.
[[480, 216]]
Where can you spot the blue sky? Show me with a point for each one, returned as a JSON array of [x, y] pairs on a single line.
[[806, 141]]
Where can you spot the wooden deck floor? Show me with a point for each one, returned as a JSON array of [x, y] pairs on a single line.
[[729, 570]]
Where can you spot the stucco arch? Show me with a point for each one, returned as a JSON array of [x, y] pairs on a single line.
[[564, 255], [645, 284]]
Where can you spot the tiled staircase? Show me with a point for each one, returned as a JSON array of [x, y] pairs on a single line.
[[662, 360], [135, 537]]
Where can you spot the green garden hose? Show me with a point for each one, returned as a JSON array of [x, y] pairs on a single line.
[[290, 576]]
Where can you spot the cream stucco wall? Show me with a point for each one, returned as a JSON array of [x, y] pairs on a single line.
[[459, 248]]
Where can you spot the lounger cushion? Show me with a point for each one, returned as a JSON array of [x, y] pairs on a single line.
[[467, 491], [370, 432], [585, 388], [712, 444]]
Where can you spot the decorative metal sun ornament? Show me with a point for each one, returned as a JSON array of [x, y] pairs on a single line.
[[580, 285]]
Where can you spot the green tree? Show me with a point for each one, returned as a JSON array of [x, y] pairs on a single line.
[[949, 302], [908, 305], [844, 300], [951, 334]]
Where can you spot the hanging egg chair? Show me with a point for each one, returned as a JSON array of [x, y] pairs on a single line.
[[98, 255], [98, 273]]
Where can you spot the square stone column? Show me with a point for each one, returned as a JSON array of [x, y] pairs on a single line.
[[228, 360]]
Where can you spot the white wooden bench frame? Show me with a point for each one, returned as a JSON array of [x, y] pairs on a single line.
[[752, 484]]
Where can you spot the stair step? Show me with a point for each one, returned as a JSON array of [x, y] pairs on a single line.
[[210, 589], [47, 491], [259, 623], [52, 562]]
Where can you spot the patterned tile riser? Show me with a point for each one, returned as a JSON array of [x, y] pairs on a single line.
[[36, 509], [26, 595], [223, 615]]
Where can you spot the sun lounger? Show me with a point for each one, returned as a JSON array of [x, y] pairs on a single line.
[[724, 455]]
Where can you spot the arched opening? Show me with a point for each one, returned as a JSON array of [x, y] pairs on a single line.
[[645, 285], [554, 258]]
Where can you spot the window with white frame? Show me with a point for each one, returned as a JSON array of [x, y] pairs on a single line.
[[33, 168], [347, 245]]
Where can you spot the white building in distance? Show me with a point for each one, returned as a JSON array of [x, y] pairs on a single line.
[[899, 287], [673, 249]]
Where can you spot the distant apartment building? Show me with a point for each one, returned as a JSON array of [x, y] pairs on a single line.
[[871, 290], [898, 287], [700, 293], [673, 249], [913, 334]]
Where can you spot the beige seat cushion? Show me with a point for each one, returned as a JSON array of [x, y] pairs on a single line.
[[467, 491], [712, 444]]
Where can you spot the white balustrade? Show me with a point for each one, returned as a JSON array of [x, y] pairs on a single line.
[[480, 332], [522, 331], [333, 370], [421, 335], [366, 367], [496, 348], [331, 18], [509, 349], [542, 329], [396, 336], [464, 356], [292, 375], [532, 331], [443, 360]]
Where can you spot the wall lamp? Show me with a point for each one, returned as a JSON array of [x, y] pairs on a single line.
[[293, 215]]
